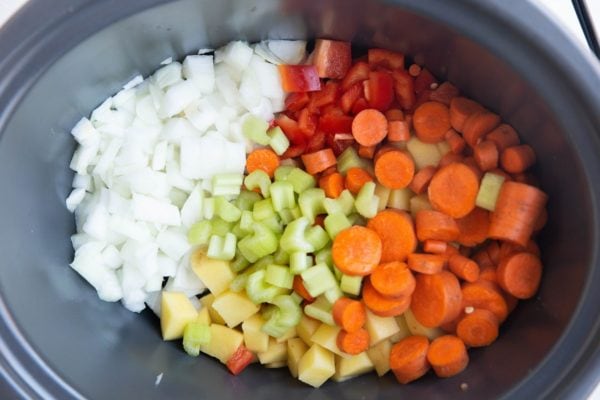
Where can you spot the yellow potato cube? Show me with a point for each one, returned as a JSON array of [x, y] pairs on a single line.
[[403, 332], [295, 350], [278, 364], [380, 356], [203, 316], [306, 328], [291, 333], [416, 328], [234, 307], [223, 343], [347, 368], [326, 337], [423, 154], [380, 328], [276, 352], [255, 340], [215, 274], [316, 366], [207, 301], [176, 312]]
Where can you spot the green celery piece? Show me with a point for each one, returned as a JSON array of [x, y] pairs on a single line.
[[349, 159], [293, 238], [279, 275], [238, 283], [274, 224], [311, 203], [489, 191], [357, 219], [299, 261], [323, 256], [246, 199], [281, 257], [226, 210], [297, 298], [195, 335], [259, 291], [220, 227], [246, 222], [351, 284], [278, 141], [263, 263], [255, 129], [261, 243], [263, 209], [222, 248], [318, 279], [258, 179], [287, 316], [282, 172], [208, 208], [286, 215], [317, 236], [282, 195], [333, 294], [239, 263], [199, 233], [383, 194], [227, 184], [301, 180], [335, 223], [366, 201], [320, 310], [346, 201]]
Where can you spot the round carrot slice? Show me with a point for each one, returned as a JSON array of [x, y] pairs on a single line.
[[263, 159], [520, 274], [453, 190], [436, 299], [473, 228], [463, 267], [395, 228], [394, 169], [431, 121], [383, 306], [431, 224], [462, 108], [356, 178], [448, 356], [393, 279], [478, 329], [353, 342], [408, 358], [427, 263], [349, 314], [486, 295], [369, 127], [356, 250], [479, 124]]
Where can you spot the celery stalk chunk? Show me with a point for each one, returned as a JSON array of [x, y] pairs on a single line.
[[261, 243], [246, 199], [293, 238], [222, 248], [349, 159], [367, 202], [227, 184], [277, 140], [255, 129], [259, 291], [199, 233], [351, 284], [317, 236], [279, 275], [335, 223], [301, 180], [299, 261], [286, 316], [318, 279], [282, 172], [195, 335], [311, 203], [320, 310], [226, 210], [258, 179], [282, 195], [489, 191]]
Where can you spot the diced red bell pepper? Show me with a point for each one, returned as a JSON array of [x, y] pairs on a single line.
[[296, 101], [291, 129], [358, 72], [316, 142], [367, 89], [330, 123], [424, 81], [294, 151], [405, 89], [332, 58], [307, 122], [328, 95], [340, 142], [299, 78], [359, 105], [239, 360], [350, 96], [444, 93], [332, 109], [381, 90], [386, 59]]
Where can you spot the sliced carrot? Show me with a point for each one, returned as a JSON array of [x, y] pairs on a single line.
[[385, 58], [356, 250], [501, 172], [424, 81], [318, 161], [395, 228], [486, 155], [517, 159], [444, 93], [472, 164], [447, 356], [488, 273], [453, 190], [451, 249], [486, 295], [394, 114], [398, 131], [421, 179], [394, 169], [332, 184], [301, 289], [465, 251], [369, 127], [435, 225], [408, 358], [478, 328], [493, 251], [464, 268], [366, 151], [353, 342], [332, 58], [482, 258], [450, 158], [414, 70], [393, 279], [348, 314], [541, 220], [431, 121], [435, 246], [527, 178], [455, 140], [356, 177], [533, 248], [520, 274], [503, 136], [426, 263], [436, 299], [263, 159], [384, 149], [383, 306], [474, 227], [461, 109], [478, 125]]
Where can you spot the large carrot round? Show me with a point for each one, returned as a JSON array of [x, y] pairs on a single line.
[[263, 159], [353, 342], [332, 184], [318, 161], [383, 306], [394, 169], [450, 158], [408, 358], [456, 141], [517, 159], [488, 273], [486, 155], [435, 246], [503, 136], [431, 121], [356, 177], [393, 279], [463, 267], [520, 274], [462, 108], [447, 356], [477, 125], [486, 295], [473, 228], [437, 299], [426, 263], [422, 178], [453, 190], [395, 228], [356, 250], [431, 224], [478, 328], [398, 131], [369, 127], [348, 314]]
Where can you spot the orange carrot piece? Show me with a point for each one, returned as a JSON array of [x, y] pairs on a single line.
[[478, 328], [473, 228], [471, 163], [436, 299], [385, 58], [348, 314], [517, 159], [520, 274], [501, 172], [263, 159], [369, 127], [482, 258], [394, 169], [398, 131], [541, 220], [366, 151], [426, 263], [318, 161], [503, 136], [435, 246], [414, 70], [332, 184], [453, 190], [356, 250], [383, 306], [393, 279], [488, 273], [464, 268], [444, 93], [486, 155], [394, 114], [431, 121], [450, 158], [395, 228], [461, 109], [486, 295], [408, 358], [533, 248], [450, 249], [478, 125], [353, 342], [301, 289], [447, 356], [382, 150], [356, 178], [493, 251], [421, 179], [455, 140], [435, 225], [332, 58]]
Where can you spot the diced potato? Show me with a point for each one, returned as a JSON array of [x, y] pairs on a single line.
[[403, 332], [295, 350], [380, 356], [224, 342], [400, 199], [291, 333], [416, 328], [326, 336], [418, 203], [203, 316], [443, 147], [347, 368], [316, 366], [423, 154], [234, 307], [255, 340], [177, 312], [380, 328], [207, 301], [215, 274], [276, 352], [306, 328], [278, 364]]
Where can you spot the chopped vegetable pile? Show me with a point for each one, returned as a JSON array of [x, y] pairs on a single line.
[[379, 221]]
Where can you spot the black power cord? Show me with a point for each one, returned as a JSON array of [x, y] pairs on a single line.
[[587, 25]]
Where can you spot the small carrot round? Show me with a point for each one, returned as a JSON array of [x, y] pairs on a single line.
[[422, 178], [431, 224], [395, 228], [356, 250], [462, 108], [332, 184], [486, 295], [366, 151], [453, 190], [383, 306], [463, 267], [450, 158], [353, 342], [488, 273], [447, 356], [369, 127], [444, 93], [472, 164], [356, 177], [301, 289], [435, 246], [414, 70], [382, 150], [393, 279], [394, 114], [479, 124], [473, 228], [503, 136], [486, 155], [520, 274], [478, 328], [431, 121], [493, 251], [436, 299], [408, 358], [263, 159], [517, 159], [450, 249], [348, 314], [456, 141], [394, 169], [318, 161], [398, 131], [426, 263]]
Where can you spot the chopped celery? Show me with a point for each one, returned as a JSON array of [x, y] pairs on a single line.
[[255, 129], [282, 195], [199, 233], [323, 256], [423, 154], [195, 335], [263, 209], [226, 210], [274, 224], [318, 279], [281, 257], [299, 261], [286, 215], [277, 140], [320, 310], [301, 180], [237, 231], [367, 202], [258, 179], [332, 206], [263, 263], [246, 221], [220, 227], [346, 201], [296, 297], [259, 291], [337, 273], [317, 236], [335, 223], [279, 275], [296, 212], [348, 159], [222, 248], [227, 184], [357, 219], [239, 282], [246, 200], [261, 243], [293, 238], [333, 294], [282, 172], [489, 191], [311, 203], [383, 194], [208, 208], [351, 284], [287, 316], [400, 199], [239, 263]]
